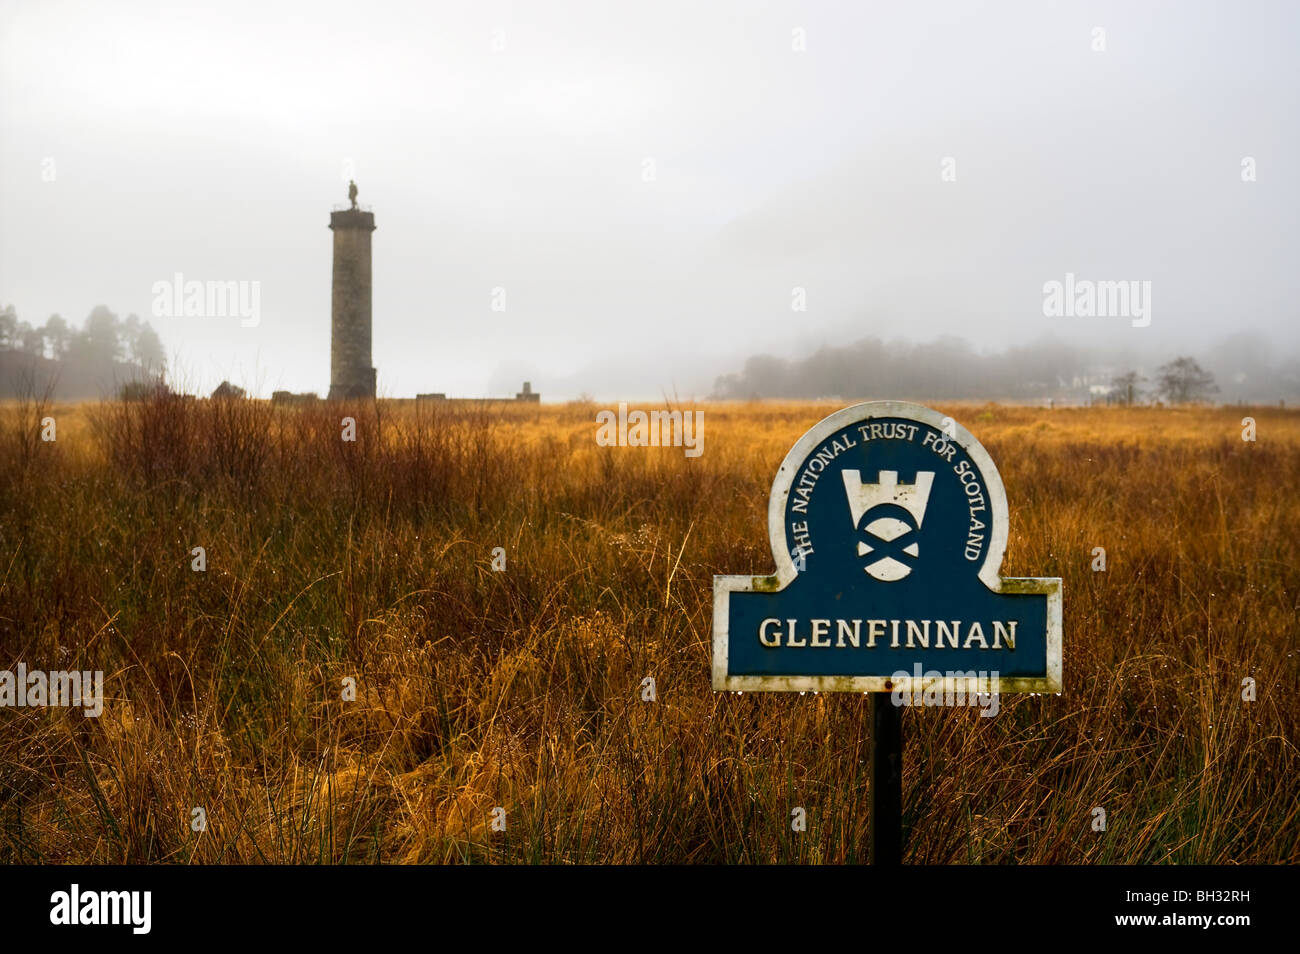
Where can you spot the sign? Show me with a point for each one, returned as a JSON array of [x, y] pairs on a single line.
[[888, 523]]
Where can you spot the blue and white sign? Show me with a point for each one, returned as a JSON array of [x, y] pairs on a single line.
[[888, 523]]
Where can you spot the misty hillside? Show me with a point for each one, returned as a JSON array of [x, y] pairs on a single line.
[[75, 364]]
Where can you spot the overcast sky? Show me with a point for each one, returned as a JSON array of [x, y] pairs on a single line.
[[507, 146]]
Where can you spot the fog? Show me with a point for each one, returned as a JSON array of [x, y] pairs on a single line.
[[656, 187]]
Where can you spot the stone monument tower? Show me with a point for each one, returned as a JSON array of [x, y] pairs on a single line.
[[351, 373]]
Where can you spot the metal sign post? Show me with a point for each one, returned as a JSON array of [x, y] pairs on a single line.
[[888, 523], [886, 812]]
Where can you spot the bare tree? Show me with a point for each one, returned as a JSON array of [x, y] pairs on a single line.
[[1183, 381], [1126, 389]]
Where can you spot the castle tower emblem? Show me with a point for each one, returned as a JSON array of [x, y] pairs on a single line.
[[888, 515]]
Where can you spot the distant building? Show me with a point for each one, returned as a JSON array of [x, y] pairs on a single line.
[[289, 397], [526, 396]]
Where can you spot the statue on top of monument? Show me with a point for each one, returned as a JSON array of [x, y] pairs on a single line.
[[352, 194]]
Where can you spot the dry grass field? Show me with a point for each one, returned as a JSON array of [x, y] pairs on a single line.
[[521, 689]]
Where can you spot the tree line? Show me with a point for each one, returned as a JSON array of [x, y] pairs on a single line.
[[949, 369], [102, 337], [71, 362]]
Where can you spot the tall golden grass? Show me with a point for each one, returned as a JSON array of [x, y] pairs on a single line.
[[521, 689]]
